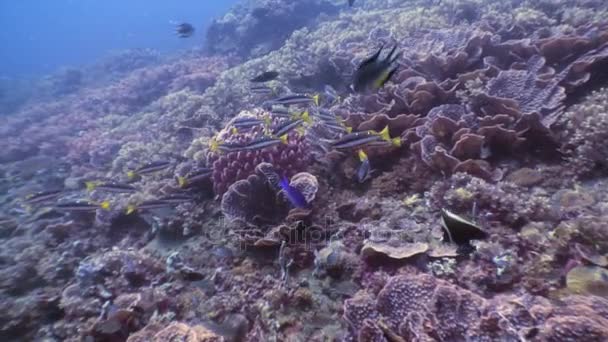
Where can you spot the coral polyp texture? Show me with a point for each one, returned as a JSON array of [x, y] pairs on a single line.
[[287, 157], [422, 308], [250, 191]]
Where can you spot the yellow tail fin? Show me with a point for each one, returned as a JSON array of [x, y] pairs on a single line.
[[283, 139], [305, 117], [182, 181], [396, 142], [131, 209], [234, 130], [316, 99], [213, 145], [384, 134], [349, 129], [105, 205], [362, 155], [131, 175], [92, 185], [382, 79]]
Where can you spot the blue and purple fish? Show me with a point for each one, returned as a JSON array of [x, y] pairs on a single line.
[[294, 195]]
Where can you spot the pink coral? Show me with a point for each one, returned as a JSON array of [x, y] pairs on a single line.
[[287, 159]]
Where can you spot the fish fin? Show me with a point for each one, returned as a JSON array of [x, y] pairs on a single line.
[[131, 209], [384, 77], [362, 155], [234, 130], [384, 134], [349, 129], [105, 205], [372, 58], [396, 142], [305, 117], [283, 139], [213, 145], [316, 99], [91, 185], [182, 181], [131, 175], [284, 182], [380, 81]]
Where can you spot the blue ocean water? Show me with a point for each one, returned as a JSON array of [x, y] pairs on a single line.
[[40, 36]]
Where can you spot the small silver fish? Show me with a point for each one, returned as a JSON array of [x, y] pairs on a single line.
[[42, 197], [296, 99], [82, 206], [117, 188]]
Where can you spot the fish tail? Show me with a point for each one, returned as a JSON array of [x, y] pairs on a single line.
[[234, 130], [316, 99], [362, 155], [305, 117], [396, 142], [348, 129], [131, 209], [182, 181], [284, 139], [105, 205], [267, 121], [92, 185], [384, 134], [131, 175], [213, 145]]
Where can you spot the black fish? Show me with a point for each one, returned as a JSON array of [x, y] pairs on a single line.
[[265, 77], [459, 230], [374, 72], [184, 30]]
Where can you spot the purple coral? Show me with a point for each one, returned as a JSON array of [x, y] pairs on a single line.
[[423, 308], [287, 159], [255, 204]]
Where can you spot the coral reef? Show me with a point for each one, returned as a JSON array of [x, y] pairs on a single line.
[[422, 308], [248, 29], [496, 119], [585, 128], [288, 158]]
